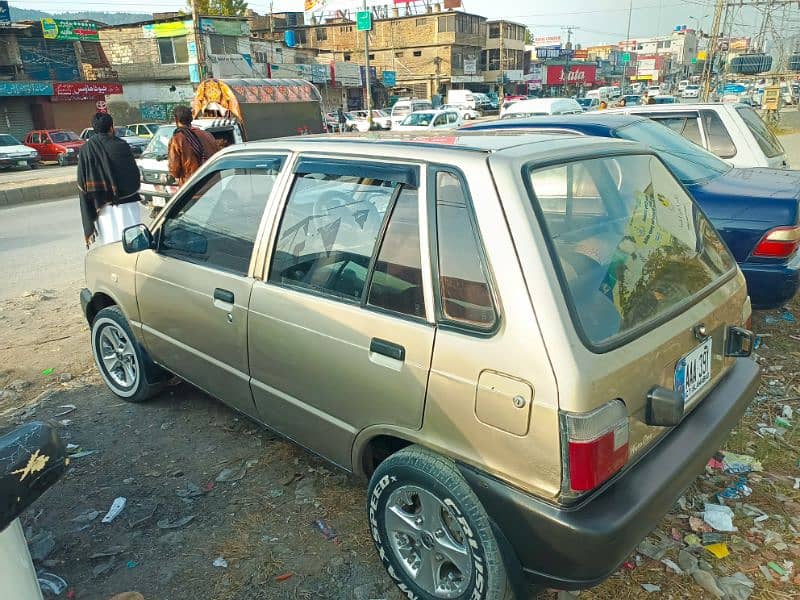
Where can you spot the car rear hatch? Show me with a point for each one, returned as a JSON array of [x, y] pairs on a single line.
[[652, 294]]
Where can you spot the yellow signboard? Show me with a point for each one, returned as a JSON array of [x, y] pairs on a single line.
[[166, 30], [772, 98], [702, 55]]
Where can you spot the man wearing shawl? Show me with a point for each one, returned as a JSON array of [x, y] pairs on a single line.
[[189, 147], [108, 184]]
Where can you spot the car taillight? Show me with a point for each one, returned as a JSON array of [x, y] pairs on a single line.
[[597, 444], [780, 242]]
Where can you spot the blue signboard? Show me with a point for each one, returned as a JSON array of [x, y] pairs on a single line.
[[389, 78], [5, 13], [548, 52], [26, 88]]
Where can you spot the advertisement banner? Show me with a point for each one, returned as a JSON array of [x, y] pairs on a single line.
[[548, 52], [580, 54], [5, 13], [578, 74], [470, 66], [547, 40], [647, 64], [26, 88], [85, 90], [312, 73], [389, 78], [347, 74], [165, 30], [225, 27], [76, 31], [467, 79], [513, 75]]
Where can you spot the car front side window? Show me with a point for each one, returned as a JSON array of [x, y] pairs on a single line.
[[216, 223]]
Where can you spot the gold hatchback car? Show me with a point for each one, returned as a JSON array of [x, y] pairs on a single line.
[[529, 344]]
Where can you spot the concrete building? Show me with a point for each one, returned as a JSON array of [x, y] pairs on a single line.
[[503, 57], [52, 75], [159, 63]]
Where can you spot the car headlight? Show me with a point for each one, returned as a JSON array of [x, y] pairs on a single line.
[[70, 151]]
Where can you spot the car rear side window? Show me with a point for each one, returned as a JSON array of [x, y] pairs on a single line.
[[466, 297], [767, 141], [330, 229], [216, 223], [630, 245], [686, 125], [719, 141]]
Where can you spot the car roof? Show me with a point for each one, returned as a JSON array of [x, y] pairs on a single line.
[[591, 119], [432, 146], [685, 106]]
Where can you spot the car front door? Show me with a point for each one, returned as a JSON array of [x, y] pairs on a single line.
[[194, 288], [340, 329]]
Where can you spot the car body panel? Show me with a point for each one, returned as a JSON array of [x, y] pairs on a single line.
[[17, 154], [50, 150]]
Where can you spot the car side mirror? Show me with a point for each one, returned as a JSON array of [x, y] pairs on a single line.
[[137, 238]]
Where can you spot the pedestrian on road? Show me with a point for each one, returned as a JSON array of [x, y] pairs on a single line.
[[341, 118], [603, 105], [108, 184], [189, 147]]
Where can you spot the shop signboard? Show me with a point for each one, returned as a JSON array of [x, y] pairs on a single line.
[[467, 79], [347, 74], [578, 75], [225, 27], [548, 52], [5, 13], [470, 66], [26, 88], [85, 90], [167, 30], [547, 40], [67, 30], [389, 78]]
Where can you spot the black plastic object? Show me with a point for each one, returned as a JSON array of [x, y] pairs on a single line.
[[223, 295], [664, 407], [32, 458], [390, 349], [739, 342]]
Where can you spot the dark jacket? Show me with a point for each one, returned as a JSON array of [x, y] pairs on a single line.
[[107, 174]]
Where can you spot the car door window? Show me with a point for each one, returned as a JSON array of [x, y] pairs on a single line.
[[440, 121], [465, 295], [766, 140], [216, 223], [452, 117], [331, 225], [686, 125], [34, 138], [719, 141]]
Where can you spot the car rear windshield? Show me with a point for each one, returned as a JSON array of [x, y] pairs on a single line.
[[630, 245], [767, 141], [687, 160]]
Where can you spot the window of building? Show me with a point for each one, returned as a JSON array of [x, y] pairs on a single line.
[[346, 28], [173, 51], [347, 56], [417, 52], [399, 54], [446, 23], [224, 44], [300, 36], [457, 60], [494, 30], [320, 34], [490, 60], [421, 22], [372, 57]]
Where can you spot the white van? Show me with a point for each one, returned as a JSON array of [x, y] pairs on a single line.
[[601, 93], [540, 107], [405, 106], [464, 98]]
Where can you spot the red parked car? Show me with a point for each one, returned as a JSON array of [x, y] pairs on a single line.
[[55, 145]]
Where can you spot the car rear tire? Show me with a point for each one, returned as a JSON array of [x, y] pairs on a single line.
[[431, 531], [123, 364], [62, 160]]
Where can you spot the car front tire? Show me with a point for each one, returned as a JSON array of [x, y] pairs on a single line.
[[123, 364], [431, 531]]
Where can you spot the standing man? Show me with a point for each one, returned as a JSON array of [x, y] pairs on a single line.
[[108, 184], [189, 147]]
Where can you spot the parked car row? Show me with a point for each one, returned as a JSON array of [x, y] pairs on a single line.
[[513, 335]]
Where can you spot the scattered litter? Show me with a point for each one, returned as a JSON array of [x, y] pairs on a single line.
[[208, 487], [232, 475], [672, 566], [50, 582], [182, 522], [718, 550], [796, 485], [103, 568], [738, 490], [82, 454], [113, 551], [116, 508], [144, 518], [65, 377], [69, 408], [787, 316], [687, 561], [787, 412], [765, 572], [72, 447], [86, 516], [128, 480], [719, 517], [711, 538], [707, 581], [697, 525], [692, 540], [761, 519], [220, 562], [49, 371], [629, 565], [777, 568], [764, 430], [41, 545], [192, 490], [284, 576], [650, 588], [131, 564], [782, 423], [736, 587], [326, 530], [740, 463]]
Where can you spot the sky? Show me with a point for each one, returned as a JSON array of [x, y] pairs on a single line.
[[594, 21]]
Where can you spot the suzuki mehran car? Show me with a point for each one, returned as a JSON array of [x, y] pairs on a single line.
[[530, 345]]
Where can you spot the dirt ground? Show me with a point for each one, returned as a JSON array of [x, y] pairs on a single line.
[[202, 484]]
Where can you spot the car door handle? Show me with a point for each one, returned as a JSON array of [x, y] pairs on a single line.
[[223, 295], [390, 349]]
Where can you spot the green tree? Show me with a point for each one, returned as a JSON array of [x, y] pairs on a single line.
[[223, 8]]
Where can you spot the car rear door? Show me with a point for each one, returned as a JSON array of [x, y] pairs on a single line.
[[340, 330], [687, 123], [194, 288], [36, 143]]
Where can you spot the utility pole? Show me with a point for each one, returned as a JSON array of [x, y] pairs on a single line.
[[713, 42], [502, 90], [198, 42], [368, 83], [627, 44], [567, 65]]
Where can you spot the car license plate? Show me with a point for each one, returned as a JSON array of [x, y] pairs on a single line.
[[22, 163], [693, 371], [159, 201]]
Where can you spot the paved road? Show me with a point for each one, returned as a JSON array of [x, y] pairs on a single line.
[[44, 174], [41, 246]]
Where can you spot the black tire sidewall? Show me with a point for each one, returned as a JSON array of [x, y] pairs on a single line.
[[383, 483]]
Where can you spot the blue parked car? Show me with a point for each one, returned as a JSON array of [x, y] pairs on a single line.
[[755, 210]]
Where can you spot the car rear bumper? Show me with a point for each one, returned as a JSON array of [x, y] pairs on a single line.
[[771, 285], [579, 546]]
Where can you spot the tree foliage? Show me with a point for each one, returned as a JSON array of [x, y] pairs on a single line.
[[223, 8]]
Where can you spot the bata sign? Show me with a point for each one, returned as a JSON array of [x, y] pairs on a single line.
[[578, 74]]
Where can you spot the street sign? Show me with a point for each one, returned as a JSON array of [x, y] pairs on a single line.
[[626, 57], [694, 60], [389, 78], [363, 20]]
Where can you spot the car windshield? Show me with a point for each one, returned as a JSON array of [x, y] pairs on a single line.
[[692, 87], [123, 132], [585, 101], [687, 160], [419, 119], [159, 143], [152, 128], [400, 110], [63, 136], [9, 140], [630, 244]]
